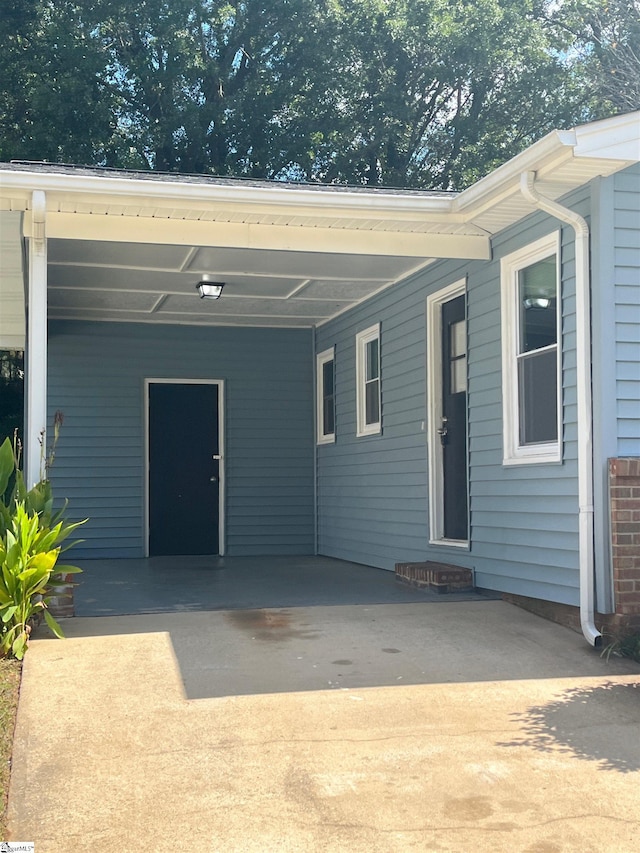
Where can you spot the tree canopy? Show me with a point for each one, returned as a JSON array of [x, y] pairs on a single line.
[[421, 93]]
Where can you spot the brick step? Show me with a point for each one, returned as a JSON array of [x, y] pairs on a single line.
[[438, 577]]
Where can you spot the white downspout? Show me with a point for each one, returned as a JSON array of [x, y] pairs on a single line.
[[584, 400]]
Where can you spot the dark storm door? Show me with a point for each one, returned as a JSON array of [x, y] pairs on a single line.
[[453, 429], [184, 469]]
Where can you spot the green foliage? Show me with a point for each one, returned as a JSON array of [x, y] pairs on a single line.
[[31, 538], [625, 645], [13, 490], [29, 575], [422, 93]]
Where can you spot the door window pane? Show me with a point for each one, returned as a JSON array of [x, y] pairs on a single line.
[[458, 356], [459, 375]]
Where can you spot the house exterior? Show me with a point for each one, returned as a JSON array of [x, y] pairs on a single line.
[[388, 376]]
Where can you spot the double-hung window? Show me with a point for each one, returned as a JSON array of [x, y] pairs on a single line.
[[325, 397], [368, 398], [530, 288]]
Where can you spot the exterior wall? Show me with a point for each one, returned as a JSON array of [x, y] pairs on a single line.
[[627, 301], [373, 492], [615, 253], [96, 378]]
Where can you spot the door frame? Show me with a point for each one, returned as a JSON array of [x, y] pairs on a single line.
[[435, 301], [221, 447]]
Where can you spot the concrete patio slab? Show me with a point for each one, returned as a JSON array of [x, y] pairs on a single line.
[[182, 584], [470, 726]]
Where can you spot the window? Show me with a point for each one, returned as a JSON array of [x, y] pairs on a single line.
[[368, 409], [325, 397], [530, 359]]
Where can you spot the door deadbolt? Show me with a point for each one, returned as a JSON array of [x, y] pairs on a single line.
[[443, 430]]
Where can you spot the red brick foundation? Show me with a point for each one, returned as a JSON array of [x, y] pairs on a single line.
[[61, 604], [624, 503], [624, 495], [438, 577]]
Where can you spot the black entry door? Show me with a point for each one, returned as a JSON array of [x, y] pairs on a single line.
[[184, 496], [454, 421]]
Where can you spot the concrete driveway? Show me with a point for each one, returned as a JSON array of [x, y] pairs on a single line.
[[462, 726]]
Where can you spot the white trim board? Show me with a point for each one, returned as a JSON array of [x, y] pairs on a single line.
[[435, 301]]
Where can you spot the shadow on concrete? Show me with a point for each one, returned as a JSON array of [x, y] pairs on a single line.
[[349, 647], [599, 723]]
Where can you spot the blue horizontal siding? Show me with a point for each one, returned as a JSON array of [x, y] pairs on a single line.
[[96, 377], [626, 257], [373, 492]]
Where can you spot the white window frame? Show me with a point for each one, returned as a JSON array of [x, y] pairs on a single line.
[[321, 359], [515, 453], [362, 339]]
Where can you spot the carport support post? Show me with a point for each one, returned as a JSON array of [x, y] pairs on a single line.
[[36, 349]]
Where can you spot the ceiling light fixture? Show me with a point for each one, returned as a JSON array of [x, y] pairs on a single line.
[[209, 289], [540, 302]]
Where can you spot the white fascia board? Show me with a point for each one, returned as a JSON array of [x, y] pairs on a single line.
[[242, 235], [552, 150], [614, 141], [341, 204], [615, 138]]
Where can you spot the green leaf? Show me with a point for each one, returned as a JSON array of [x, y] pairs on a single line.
[[67, 570], [19, 645], [45, 561], [8, 613], [51, 622], [7, 465]]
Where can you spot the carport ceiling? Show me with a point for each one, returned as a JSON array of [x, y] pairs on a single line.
[[132, 246], [143, 282]]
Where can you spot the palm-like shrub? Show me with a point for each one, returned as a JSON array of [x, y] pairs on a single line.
[[31, 537]]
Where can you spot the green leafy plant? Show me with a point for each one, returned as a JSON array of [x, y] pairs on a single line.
[[13, 489], [31, 535], [29, 577], [624, 645]]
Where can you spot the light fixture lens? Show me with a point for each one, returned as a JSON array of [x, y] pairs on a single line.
[[210, 289], [537, 302]]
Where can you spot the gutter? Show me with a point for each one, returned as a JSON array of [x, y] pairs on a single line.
[[584, 400]]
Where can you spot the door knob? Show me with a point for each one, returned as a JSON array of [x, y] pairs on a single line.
[[213, 479]]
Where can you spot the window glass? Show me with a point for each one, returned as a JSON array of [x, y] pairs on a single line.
[[372, 402], [538, 397], [531, 310], [372, 359], [537, 301], [328, 406]]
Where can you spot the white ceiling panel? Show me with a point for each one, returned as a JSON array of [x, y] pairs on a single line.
[[344, 290], [302, 264], [101, 299], [241, 306], [109, 254]]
